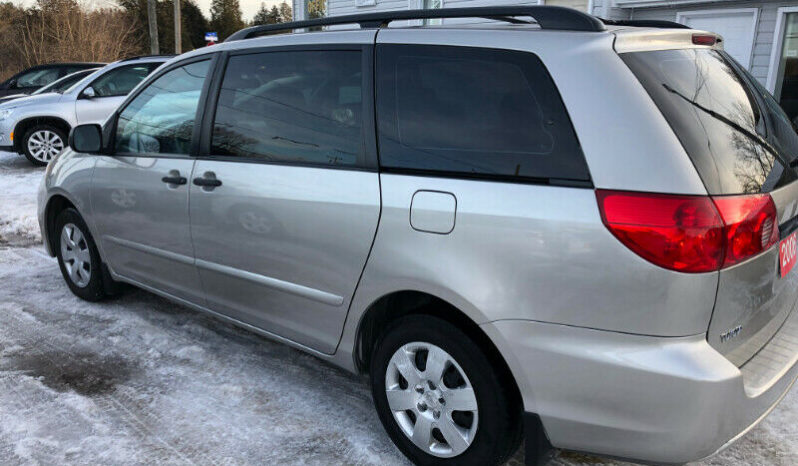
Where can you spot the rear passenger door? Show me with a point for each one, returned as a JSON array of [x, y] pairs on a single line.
[[285, 201]]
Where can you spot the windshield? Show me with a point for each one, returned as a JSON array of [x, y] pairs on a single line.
[[721, 117], [65, 83]]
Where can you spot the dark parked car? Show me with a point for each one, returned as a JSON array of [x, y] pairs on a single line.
[[31, 79], [58, 86]]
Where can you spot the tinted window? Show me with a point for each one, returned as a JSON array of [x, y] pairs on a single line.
[[473, 111], [64, 83], [713, 112], [299, 107], [161, 118], [120, 81], [36, 78]]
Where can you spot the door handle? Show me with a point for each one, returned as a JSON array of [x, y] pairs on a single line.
[[208, 180], [178, 180], [174, 178]]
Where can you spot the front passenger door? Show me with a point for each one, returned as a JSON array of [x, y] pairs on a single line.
[[140, 194]]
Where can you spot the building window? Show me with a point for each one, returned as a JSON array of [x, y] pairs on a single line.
[[786, 90]]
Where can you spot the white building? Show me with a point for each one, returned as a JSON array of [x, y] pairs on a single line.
[[761, 34]]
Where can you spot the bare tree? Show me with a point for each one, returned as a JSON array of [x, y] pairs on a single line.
[[65, 30]]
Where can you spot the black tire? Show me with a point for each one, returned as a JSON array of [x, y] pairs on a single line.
[[37, 129], [93, 289], [499, 426]]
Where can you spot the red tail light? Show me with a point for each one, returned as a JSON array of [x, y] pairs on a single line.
[[704, 39], [751, 225], [690, 233]]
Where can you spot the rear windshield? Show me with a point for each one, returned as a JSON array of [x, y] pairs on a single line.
[[738, 138]]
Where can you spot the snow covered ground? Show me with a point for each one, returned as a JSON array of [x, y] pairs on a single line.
[[139, 380]]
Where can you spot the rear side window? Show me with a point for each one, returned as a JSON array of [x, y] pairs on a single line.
[[303, 107], [475, 112], [716, 115]]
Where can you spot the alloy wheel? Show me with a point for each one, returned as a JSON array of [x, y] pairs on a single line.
[[431, 399], [44, 144], [76, 256]]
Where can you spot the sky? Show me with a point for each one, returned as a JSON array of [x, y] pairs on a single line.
[[248, 7]]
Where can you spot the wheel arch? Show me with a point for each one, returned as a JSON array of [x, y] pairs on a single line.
[[55, 205], [395, 305], [24, 125]]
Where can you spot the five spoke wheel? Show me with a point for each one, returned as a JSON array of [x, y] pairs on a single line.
[[432, 399]]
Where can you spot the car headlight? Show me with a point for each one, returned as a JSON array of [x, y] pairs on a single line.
[[5, 113]]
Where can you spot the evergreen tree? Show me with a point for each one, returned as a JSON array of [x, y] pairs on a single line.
[[226, 17], [286, 13], [266, 15], [195, 24]]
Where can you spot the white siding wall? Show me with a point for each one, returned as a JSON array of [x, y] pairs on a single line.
[[763, 37], [346, 7]]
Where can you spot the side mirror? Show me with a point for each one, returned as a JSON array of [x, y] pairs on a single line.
[[87, 139], [88, 93], [11, 84]]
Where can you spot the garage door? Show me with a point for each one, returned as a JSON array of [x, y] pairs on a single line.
[[736, 26]]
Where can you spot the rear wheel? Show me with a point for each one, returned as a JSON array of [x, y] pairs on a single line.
[[42, 143], [440, 398], [78, 257]]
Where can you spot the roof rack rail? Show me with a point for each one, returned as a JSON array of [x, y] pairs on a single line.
[[147, 56], [547, 17], [645, 23]]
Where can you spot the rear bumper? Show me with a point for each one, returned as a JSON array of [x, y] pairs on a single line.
[[648, 399]]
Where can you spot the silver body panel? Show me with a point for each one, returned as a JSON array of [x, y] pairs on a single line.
[[142, 222], [611, 351], [282, 248]]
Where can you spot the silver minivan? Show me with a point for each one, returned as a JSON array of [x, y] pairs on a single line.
[[546, 226]]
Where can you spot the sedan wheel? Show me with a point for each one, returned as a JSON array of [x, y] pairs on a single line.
[[44, 145], [76, 256]]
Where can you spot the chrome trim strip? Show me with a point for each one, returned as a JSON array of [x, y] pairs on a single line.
[[151, 250], [287, 287]]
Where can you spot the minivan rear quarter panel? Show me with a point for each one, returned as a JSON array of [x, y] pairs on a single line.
[[515, 247]]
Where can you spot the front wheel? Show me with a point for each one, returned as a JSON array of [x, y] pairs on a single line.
[[42, 143], [440, 398], [78, 257]]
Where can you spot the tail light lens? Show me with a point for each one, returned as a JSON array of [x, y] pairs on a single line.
[[751, 225], [690, 233]]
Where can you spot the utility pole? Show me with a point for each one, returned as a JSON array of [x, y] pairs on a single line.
[[178, 33], [152, 18]]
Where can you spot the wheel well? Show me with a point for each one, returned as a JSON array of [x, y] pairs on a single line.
[[402, 303], [55, 206], [23, 126]]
